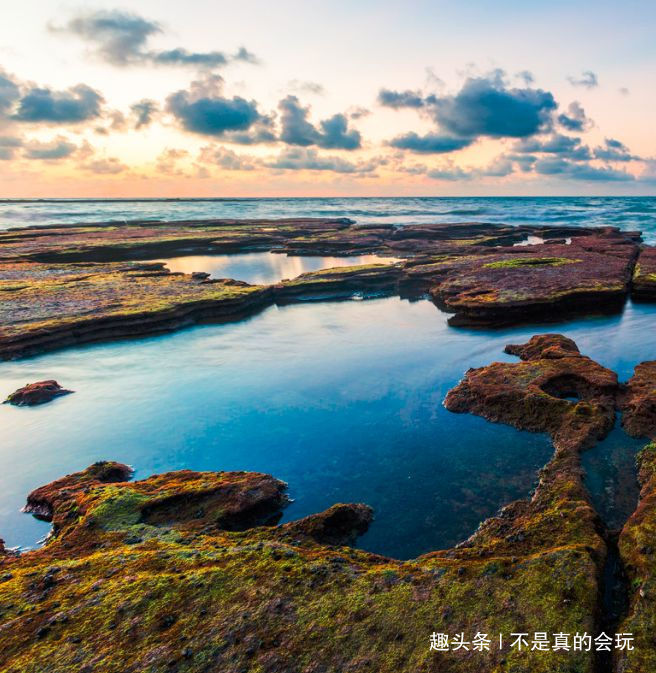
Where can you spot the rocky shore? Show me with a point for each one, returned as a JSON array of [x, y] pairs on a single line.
[[65, 285], [190, 571]]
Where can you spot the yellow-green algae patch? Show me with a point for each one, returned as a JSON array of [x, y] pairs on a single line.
[[521, 262], [197, 596]]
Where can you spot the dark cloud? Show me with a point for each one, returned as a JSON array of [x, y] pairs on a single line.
[[565, 146], [202, 59], [297, 130], [260, 133], [431, 143], [203, 110], [181, 56], [143, 111], [525, 162], [77, 104], [60, 148], [587, 80], [574, 119], [401, 99], [309, 159], [450, 173], [557, 166], [121, 38], [9, 92], [486, 107], [614, 150]]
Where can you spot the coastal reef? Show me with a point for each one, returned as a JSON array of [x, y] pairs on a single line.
[[638, 401], [187, 571], [64, 285], [554, 389], [644, 277], [193, 571]]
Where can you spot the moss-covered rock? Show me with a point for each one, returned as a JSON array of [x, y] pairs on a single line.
[[152, 575]]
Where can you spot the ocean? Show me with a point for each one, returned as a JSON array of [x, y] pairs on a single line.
[[628, 213]]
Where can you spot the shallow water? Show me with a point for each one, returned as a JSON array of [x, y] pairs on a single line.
[[341, 400], [610, 476], [263, 268], [628, 213]]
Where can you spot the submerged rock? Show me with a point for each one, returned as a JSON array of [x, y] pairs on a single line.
[[36, 393]]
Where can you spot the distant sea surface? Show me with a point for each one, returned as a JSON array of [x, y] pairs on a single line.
[[628, 213]]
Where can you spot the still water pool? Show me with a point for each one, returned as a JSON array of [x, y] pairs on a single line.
[[342, 400], [264, 268]]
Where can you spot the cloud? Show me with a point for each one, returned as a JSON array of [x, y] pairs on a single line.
[[310, 160], [143, 111], [205, 111], [575, 119], [499, 168], [9, 92], [431, 143], [297, 130], [557, 143], [59, 148], [401, 99], [614, 150], [260, 132], [108, 166], [8, 147], [558, 166], [227, 159], [486, 107], [357, 112], [121, 38], [181, 56], [306, 87], [167, 161], [450, 173], [77, 104], [587, 80]]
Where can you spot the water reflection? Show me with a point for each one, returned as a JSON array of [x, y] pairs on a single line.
[[263, 268]]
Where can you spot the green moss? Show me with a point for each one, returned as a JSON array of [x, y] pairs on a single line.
[[120, 508], [522, 262]]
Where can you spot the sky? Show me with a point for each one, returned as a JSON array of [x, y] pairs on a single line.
[[314, 98]]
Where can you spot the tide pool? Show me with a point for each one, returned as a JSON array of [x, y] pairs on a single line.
[[343, 400]]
